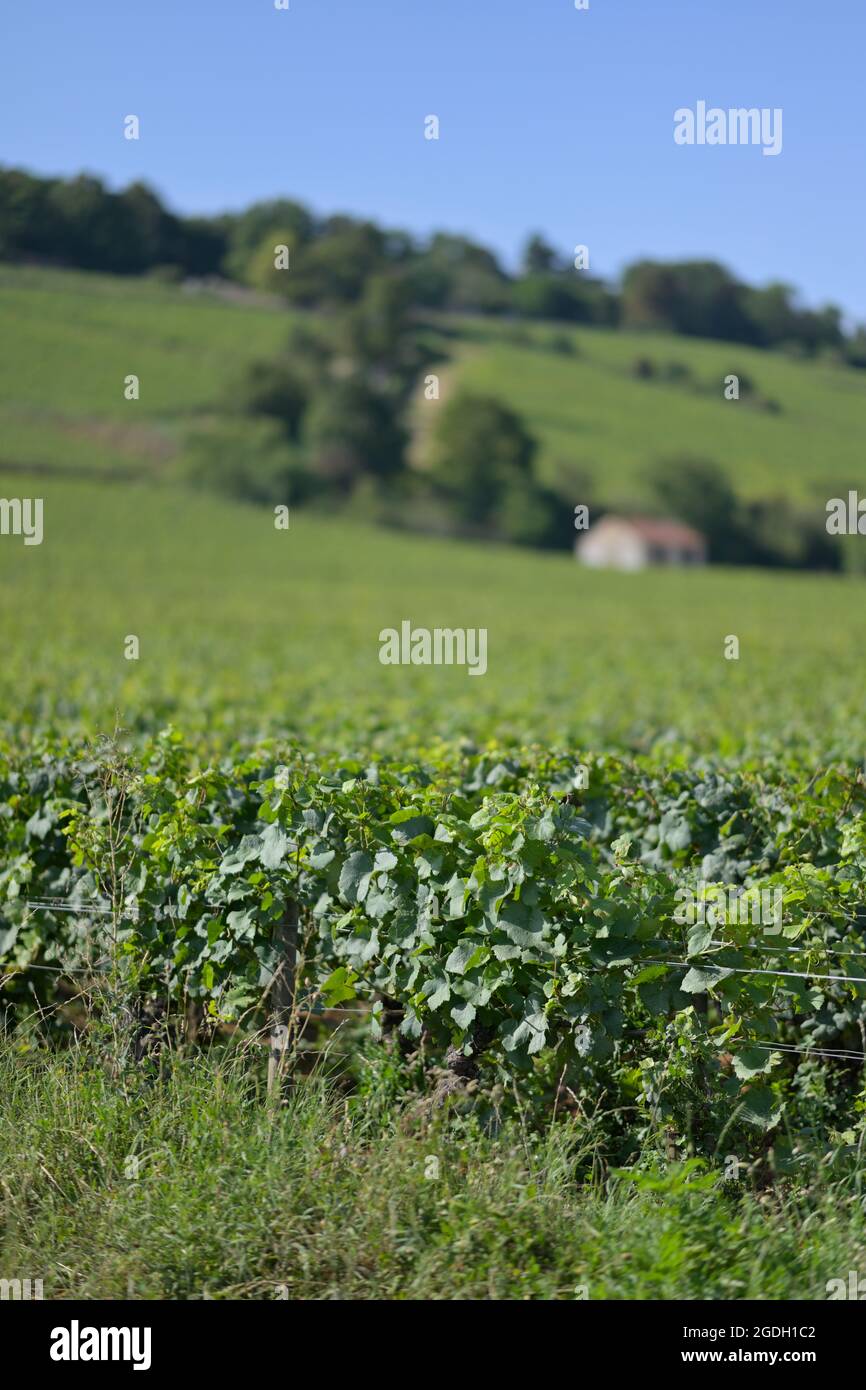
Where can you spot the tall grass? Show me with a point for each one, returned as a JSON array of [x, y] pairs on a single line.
[[193, 1185]]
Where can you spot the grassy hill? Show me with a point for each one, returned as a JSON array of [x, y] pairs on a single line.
[[593, 417], [68, 339]]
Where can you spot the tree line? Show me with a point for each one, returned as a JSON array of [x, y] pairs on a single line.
[[79, 222]]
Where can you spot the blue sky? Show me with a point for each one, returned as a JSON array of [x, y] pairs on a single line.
[[551, 118]]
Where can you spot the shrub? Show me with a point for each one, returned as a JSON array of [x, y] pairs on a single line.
[[529, 514], [275, 389], [248, 460], [351, 429]]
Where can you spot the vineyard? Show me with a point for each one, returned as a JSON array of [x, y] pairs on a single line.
[[282, 924], [502, 907]]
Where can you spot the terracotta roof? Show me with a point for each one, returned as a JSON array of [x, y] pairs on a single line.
[[664, 532]]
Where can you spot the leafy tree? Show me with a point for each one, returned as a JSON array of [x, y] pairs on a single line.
[[697, 492], [247, 231], [855, 352], [699, 298], [539, 258], [480, 449], [378, 330], [529, 514], [457, 274], [248, 460], [30, 222], [544, 296], [333, 269], [276, 389], [780, 534], [351, 429], [261, 270]]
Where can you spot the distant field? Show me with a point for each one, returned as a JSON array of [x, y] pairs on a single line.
[[245, 627]]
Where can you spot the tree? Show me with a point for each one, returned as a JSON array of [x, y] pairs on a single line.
[[248, 460], [333, 269], [378, 329], [30, 222], [543, 296], [529, 514], [275, 389], [696, 491], [246, 231], [456, 273], [480, 448], [351, 429], [262, 270], [699, 298], [539, 258]]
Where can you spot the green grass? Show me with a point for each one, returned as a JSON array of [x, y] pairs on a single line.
[[335, 1196]]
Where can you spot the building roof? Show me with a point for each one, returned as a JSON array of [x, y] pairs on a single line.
[[662, 532]]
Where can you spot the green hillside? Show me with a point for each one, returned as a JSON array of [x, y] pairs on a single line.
[[593, 417], [69, 339]]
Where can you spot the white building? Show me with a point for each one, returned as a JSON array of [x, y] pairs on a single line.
[[632, 543]]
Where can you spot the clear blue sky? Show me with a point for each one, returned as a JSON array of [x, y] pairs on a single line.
[[552, 119]]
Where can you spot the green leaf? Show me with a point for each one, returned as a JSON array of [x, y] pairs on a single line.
[[699, 980], [700, 939], [339, 987], [753, 1061], [408, 825], [237, 858], [274, 846], [675, 831], [355, 877], [439, 994], [649, 972], [524, 926], [463, 1016], [411, 1025], [761, 1107], [385, 860], [458, 961]]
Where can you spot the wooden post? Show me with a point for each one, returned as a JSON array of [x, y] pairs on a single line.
[[282, 994]]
